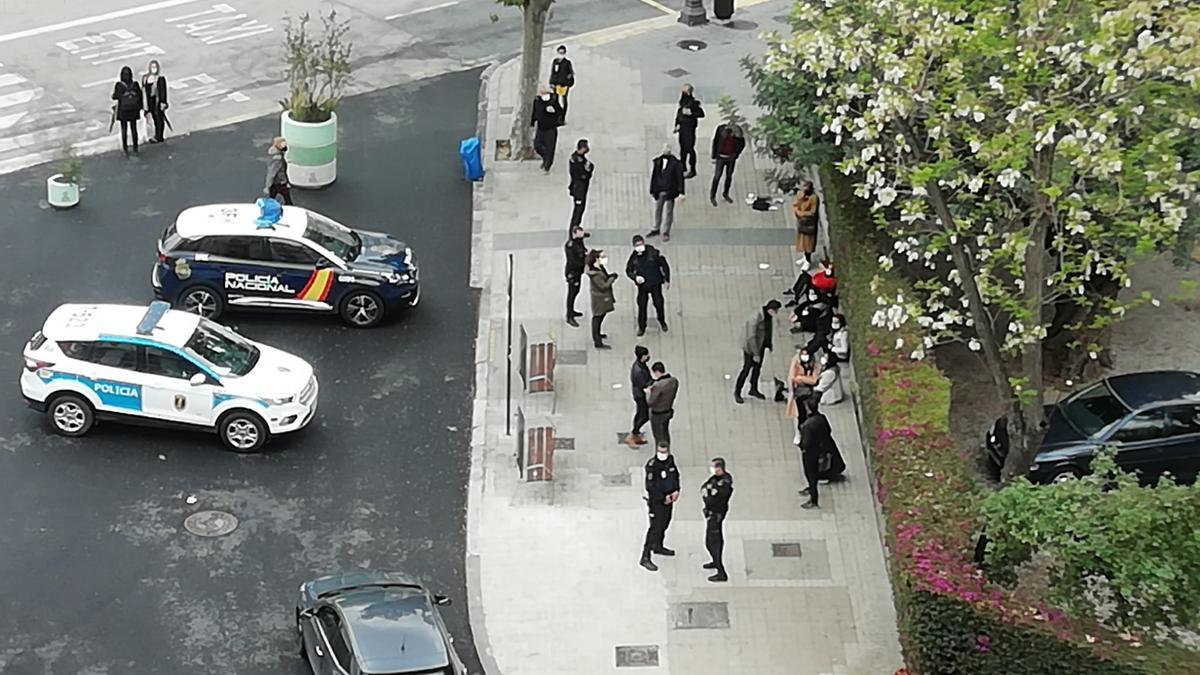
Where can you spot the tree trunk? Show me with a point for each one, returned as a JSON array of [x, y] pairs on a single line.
[[533, 37]]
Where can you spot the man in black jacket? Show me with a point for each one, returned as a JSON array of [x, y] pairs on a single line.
[[581, 179], [687, 116], [546, 115], [639, 380], [662, 491], [666, 185], [816, 440], [716, 492], [648, 268], [576, 252], [728, 143], [562, 78]]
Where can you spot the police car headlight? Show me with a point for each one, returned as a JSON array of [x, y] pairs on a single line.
[[281, 401], [402, 278]]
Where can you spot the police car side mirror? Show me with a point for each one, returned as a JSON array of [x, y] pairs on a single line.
[[198, 379], [322, 263], [441, 600]]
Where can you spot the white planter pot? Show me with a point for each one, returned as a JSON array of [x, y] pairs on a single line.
[[312, 150], [60, 193]]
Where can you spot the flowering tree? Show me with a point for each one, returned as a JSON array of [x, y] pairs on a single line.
[[1020, 155]]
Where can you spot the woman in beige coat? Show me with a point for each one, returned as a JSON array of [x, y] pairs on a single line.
[[805, 210], [601, 286]]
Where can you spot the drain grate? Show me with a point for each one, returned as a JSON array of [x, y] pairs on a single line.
[[637, 656], [678, 72], [692, 615], [572, 357], [210, 523], [692, 45], [785, 550]]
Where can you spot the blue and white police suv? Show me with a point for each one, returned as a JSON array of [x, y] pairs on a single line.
[[163, 367]]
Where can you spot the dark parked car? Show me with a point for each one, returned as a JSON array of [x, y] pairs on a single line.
[[373, 623], [1151, 418]]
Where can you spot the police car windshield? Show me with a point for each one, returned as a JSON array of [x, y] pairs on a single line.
[[222, 348], [339, 241]]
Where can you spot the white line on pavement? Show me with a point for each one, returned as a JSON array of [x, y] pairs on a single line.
[[660, 7], [9, 79], [97, 83], [88, 20], [17, 98], [422, 10]]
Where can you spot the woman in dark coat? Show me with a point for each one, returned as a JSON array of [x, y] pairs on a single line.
[[154, 88], [128, 107], [601, 286]]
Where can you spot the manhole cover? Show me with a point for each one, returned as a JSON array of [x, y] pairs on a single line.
[[572, 357], [691, 45], [637, 656], [788, 550], [739, 24], [210, 523], [687, 615], [678, 72]]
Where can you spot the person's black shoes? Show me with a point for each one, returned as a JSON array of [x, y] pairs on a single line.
[[572, 322], [803, 492], [576, 314], [709, 565], [718, 577], [758, 395], [601, 345], [713, 200], [690, 174], [790, 303], [663, 325], [727, 198], [648, 564], [652, 233], [810, 504], [641, 332], [664, 551], [737, 398]]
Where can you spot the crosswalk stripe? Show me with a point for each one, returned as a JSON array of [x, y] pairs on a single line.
[[19, 97], [9, 79]]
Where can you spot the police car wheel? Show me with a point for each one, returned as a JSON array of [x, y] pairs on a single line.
[[201, 300], [71, 415], [242, 431], [362, 309]]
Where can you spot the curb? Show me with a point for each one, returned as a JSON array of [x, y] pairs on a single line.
[[481, 250]]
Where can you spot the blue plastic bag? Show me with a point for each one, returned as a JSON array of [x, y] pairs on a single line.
[[269, 212], [472, 158]]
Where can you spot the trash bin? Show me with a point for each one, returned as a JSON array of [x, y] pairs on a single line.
[[470, 150], [723, 9]]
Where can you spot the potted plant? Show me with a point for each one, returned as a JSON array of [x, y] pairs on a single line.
[[62, 189], [318, 70]]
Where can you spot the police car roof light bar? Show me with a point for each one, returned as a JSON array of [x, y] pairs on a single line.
[[153, 315]]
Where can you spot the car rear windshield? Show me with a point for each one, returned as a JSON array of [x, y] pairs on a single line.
[[332, 237], [170, 238], [1093, 410], [222, 348]]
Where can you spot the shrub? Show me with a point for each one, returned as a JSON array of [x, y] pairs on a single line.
[[70, 165], [318, 70]]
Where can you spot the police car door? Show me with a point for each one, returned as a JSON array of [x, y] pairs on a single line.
[[248, 278], [168, 392], [113, 377], [297, 265]]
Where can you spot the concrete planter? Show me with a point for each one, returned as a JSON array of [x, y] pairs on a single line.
[[61, 194], [312, 151]]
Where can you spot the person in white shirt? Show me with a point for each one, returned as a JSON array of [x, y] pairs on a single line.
[[839, 339]]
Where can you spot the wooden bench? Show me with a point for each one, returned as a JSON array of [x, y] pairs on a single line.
[[539, 454], [542, 359]]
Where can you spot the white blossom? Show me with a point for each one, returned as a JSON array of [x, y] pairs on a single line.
[[974, 345]]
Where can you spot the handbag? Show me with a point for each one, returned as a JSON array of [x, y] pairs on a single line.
[[780, 389]]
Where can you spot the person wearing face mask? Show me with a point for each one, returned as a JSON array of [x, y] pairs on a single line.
[[812, 313], [802, 284], [839, 338], [562, 78], [728, 143], [128, 107], [716, 492], [581, 170], [277, 172], [662, 491], [640, 380], [666, 185], [756, 340], [648, 268], [816, 445], [545, 118], [601, 285], [823, 279], [803, 375], [805, 210], [660, 396], [687, 118], [828, 389], [576, 263], [154, 86]]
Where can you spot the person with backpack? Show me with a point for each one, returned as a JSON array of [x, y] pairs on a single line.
[[128, 107], [278, 186]]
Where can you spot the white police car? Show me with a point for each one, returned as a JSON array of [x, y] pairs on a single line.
[[163, 367]]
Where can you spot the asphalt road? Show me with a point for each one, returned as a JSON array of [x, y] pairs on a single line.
[[96, 572], [224, 60]]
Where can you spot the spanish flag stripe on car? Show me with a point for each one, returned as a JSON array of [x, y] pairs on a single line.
[[317, 288]]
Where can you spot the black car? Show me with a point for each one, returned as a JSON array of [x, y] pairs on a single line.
[[373, 623], [1152, 419]]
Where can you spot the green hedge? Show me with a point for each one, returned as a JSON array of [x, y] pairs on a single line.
[[951, 620]]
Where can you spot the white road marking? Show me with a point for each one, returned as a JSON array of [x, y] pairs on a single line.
[[9, 79], [660, 7], [25, 96], [97, 18], [215, 30], [7, 121], [113, 45], [422, 10], [97, 83]]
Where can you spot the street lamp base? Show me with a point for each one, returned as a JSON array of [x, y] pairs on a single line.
[[693, 13]]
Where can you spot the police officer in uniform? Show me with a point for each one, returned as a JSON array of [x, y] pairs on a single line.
[[716, 492], [576, 256], [662, 491]]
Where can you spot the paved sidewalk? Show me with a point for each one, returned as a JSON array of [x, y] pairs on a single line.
[[553, 570]]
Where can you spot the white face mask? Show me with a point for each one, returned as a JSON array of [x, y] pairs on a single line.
[[804, 358], [640, 249], [602, 260], [812, 297], [836, 325], [662, 456], [545, 97], [712, 470]]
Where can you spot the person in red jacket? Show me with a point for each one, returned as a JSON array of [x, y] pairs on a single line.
[[823, 279]]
